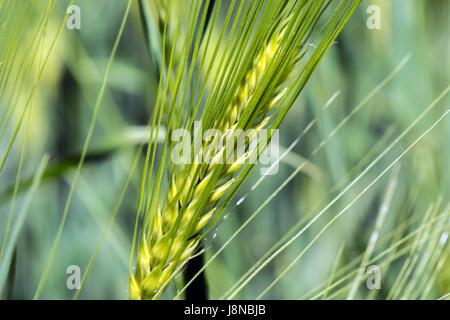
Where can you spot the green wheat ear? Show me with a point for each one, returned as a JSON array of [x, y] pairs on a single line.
[[198, 192], [175, 233]]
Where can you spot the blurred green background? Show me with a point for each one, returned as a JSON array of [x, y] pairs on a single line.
[[351, 73]]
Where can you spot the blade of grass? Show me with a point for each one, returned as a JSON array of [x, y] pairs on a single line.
[[15, 232], [109, 224], [83, 154], [382, 212]]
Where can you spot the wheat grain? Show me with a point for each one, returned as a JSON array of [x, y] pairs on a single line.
[[175, 232]]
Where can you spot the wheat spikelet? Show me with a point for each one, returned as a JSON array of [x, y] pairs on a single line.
[[175, 231]]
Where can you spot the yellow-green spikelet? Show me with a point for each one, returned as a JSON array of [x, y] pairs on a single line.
[[168, 248]]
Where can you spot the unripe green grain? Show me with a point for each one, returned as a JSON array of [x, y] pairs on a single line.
[[175, 233]]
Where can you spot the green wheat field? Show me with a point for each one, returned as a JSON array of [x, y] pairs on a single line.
[[351, 97]]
